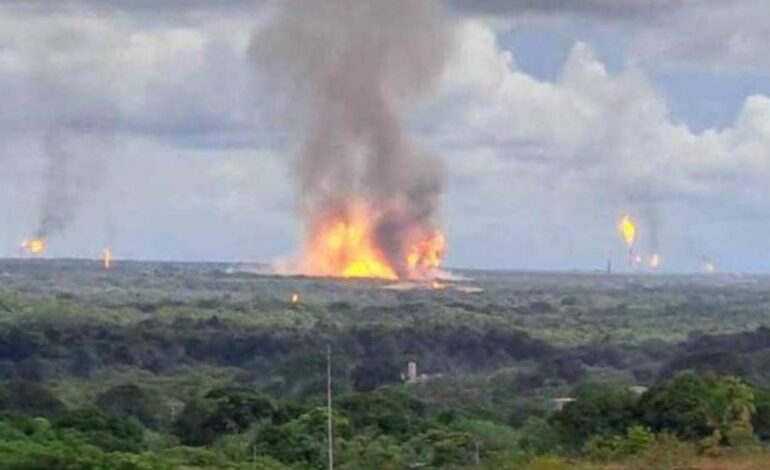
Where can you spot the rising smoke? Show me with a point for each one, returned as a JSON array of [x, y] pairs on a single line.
[[651, 215], [73, 169], [346, 72]]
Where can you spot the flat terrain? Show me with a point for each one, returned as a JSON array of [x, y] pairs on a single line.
[[563, 308], [210, 344]]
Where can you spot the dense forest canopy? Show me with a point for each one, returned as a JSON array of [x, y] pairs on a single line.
[[205, 366]]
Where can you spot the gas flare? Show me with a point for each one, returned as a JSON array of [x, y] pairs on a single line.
[[34, 246], [347, 246], [627, 229], [655, 261], [709, 266], [294, 299], [107, 257]]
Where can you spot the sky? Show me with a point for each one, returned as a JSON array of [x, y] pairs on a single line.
[[145, 120]]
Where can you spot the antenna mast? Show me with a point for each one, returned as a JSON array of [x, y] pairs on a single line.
[[329, 404]]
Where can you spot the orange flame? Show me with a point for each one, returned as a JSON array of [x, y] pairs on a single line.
[[346, 246], [34, 246], [426, 254], [294, 298], [655, 261], [107, 257]]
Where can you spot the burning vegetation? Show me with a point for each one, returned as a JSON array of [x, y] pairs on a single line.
[[348, 246], [369, 193]]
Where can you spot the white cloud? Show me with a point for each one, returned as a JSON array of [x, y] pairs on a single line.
[[590, 123], [580, 150], [724, 35], [540, 169]]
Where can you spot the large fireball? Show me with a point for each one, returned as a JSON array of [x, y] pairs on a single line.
[[347, 246]]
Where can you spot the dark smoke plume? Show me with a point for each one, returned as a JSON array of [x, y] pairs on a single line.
[[73, 169], [347, 71]]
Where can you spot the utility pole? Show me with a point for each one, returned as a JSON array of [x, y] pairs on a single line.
[[329, 404]]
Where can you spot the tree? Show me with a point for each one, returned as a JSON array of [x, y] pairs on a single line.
[[29, 398], [381, 452], [132, 400], [384, 412], [301, 440], [235, 409], [678, 407], [111, 433], [597, 410], [191, 424], [715, 410], [761, 420]]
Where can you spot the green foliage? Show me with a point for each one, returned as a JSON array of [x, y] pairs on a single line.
[[88, 358], [302, 439], [761, 421], [668, 453], [192, 425], [716, 411], [235, 409], [133, 401], [29, 398], [109, 432], [539, 437], [597, 410], [381, 452], [382, 412], [492, 437], [635, 441], [441, 448]]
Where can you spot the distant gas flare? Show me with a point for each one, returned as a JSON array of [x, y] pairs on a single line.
[[709, 266], [655, 261], [294, 299], [436, 285], [34, 246], [107, 257], [348, 246], [627, 229]]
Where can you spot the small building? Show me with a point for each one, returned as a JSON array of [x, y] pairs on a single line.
[[559, 403]]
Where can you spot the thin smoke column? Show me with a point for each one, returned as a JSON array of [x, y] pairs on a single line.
[[73, 170], [346, 73], [60, 198], [653, 223]]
